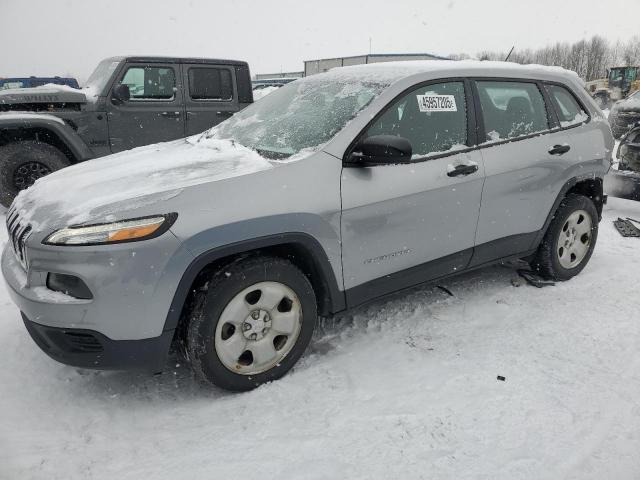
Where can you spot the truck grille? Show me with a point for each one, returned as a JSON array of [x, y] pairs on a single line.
[[627, 118], [18, 233]]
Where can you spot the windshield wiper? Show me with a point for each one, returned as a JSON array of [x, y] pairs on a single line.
[[272, 154]]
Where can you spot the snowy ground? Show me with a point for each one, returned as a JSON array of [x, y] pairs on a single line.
[[404, 388]]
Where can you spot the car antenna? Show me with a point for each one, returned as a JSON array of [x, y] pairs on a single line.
[[509, 54]]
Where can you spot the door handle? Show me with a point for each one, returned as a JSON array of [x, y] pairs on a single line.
[[170, 114], [559, 149], [463, 169], [226, 113]]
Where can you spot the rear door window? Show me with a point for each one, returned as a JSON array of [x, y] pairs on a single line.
[[569, 111], [432, 117], [207, 83], [511, 109]]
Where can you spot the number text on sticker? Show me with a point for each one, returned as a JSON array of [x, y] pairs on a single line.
[[437, 103]]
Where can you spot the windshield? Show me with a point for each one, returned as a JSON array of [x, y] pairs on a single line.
[[615, 74], [301, 115], [101, 75]]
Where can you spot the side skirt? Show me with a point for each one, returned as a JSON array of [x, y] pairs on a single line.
[[490, 253]]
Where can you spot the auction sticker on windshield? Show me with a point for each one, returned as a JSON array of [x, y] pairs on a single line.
[[437, 103]]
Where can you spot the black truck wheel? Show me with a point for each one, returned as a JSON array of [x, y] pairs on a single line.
[[22, 163]]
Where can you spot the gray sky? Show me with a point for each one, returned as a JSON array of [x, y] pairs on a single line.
[[40, 37]]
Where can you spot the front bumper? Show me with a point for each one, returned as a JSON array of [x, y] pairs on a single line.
[[90, 349], [132, 287]]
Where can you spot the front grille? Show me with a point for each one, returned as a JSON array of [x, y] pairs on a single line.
[[80, 342], [18, 233]]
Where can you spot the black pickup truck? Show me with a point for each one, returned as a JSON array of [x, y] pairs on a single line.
[[127, 102]]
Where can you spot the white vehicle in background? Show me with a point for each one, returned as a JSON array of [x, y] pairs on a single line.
[[263, 87]]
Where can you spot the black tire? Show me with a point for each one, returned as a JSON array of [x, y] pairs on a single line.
[[21, 163], [546, 261], [223, 286]]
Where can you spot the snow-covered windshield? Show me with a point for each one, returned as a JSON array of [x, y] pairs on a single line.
[[101, 75], [301, 115]]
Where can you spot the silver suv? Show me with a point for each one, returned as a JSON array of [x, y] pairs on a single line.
[[332, 191]]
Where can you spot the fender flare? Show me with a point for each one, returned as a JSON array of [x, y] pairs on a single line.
[[335, 298], [57, 126]]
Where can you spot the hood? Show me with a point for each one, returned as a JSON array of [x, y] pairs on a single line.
[[49, 93], [628, 105], [101, 189]]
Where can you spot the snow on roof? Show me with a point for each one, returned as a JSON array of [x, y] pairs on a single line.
[[393, 71]]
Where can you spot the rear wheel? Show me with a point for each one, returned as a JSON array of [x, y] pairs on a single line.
[[22, 163], [252, 324], [569, 241]]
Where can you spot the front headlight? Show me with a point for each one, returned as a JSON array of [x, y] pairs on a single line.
[[122, 231]]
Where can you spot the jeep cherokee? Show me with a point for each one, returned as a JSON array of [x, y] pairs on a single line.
[[334, 190]]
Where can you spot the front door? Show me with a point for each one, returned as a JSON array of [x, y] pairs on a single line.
[[155, 111], [404, 224]]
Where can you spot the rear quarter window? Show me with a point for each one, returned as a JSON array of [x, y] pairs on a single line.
[[569, 111]]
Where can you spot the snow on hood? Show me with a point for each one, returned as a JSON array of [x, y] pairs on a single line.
[[100, 188], [49, 93]]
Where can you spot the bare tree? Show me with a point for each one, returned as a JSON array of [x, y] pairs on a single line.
[[589, 58]]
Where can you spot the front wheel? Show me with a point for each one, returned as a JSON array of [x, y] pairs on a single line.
[[252, 324], [569, 241], [22, 163]]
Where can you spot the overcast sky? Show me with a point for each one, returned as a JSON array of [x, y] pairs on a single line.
[[43, 37]]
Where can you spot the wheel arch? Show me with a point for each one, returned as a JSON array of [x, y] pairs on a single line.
[[52, 131], [300, 248], [591, 187]]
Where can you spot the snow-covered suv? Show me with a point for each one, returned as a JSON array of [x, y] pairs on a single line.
[[332, 191]]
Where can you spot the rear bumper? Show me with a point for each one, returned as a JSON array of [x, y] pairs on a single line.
[[91, 349]]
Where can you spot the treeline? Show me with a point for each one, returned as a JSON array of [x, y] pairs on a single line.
[[590, 58]]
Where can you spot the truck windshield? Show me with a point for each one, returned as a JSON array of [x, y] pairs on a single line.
[[301, 115], [615, 74], [101, 75]]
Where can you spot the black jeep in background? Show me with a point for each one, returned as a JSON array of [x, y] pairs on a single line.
[[127, 102]]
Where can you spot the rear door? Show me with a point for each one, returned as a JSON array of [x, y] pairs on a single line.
[[524, 156], [210, 95], [155, 111], [403, 224]]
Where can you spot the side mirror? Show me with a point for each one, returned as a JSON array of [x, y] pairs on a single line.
[[381, 150], [120, 94]]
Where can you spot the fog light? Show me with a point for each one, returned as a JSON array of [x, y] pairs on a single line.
[[69, 285]]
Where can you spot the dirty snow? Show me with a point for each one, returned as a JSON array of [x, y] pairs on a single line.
[[403, 388]]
